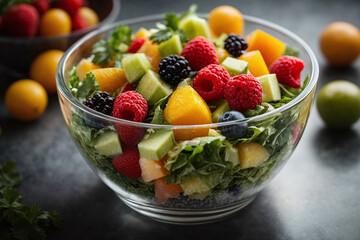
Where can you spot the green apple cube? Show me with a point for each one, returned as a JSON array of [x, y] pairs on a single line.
[[270, 87], [108, 144], [153, 88], [172, 46], [235, 66], [194, 26], [135, 66], [156, 145]]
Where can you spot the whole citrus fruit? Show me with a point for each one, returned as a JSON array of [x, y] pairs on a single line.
[[26, 99], [55, 22], [89, 15], [338, 104], [340, 43], [43, 69], [226, 19]]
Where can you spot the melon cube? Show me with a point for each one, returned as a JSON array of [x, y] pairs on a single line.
[[252, 154], [270, 47], [257, 65], [164, 191], [152, 169]]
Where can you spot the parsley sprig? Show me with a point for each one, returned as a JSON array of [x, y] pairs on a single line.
[[105, 50], [19, 221], [171, 26]]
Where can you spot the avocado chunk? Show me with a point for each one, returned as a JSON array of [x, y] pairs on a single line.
[[172, 46], [194, 26], [156, 145], [135, 66], [220, 110], [153, 88], [108, 144], [270, 87], [235, 66]]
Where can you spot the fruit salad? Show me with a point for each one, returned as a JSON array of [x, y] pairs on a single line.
[[182, 72]]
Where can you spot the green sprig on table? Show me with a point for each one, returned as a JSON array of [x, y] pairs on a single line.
[[19, 221]]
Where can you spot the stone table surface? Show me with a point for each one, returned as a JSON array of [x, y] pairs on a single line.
[[315, 196]]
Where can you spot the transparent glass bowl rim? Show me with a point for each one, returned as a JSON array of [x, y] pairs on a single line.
[[39, 39], [64, 90]]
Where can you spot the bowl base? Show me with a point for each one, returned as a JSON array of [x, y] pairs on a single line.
[[186, 216]]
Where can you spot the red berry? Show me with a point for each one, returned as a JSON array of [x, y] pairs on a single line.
[[200, 52], [128, 164], [42, 5], [287, 70], [210, 81], [135, 45], [128, 87], [131, 106], [21, 20], [70, 6], [243, 92], [78, 22]]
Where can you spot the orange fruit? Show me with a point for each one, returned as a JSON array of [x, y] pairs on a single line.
[[110, 79], [26, 100], [55, 22], [43, 69], [226, 19], [84, 67], [90, 16], [152, 53], [340, 43], [164, 191]]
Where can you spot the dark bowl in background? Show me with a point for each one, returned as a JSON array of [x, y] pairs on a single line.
[[18, 53]]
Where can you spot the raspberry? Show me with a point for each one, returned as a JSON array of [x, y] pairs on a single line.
[[173, 68], [78, 22], [127, 87], [101, 102], [130, 106], [42, 5], [200, 52], [235, 45], [210, 81], [128, 164], [21, 20], [135, 45], [70, 6], [243, 92], [287, 70]]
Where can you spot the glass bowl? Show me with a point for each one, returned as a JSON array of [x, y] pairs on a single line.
[[279, 132], [28, 48]]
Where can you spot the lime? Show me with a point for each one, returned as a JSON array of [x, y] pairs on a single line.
[[338, 103]]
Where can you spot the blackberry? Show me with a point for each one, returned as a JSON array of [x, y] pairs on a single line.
[[235, 45], [101, 102], [173, 68]]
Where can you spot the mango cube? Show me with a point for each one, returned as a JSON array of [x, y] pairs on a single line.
[[257, 65]]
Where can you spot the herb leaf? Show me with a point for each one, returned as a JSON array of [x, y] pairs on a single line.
[[87, 87], [8, 177]]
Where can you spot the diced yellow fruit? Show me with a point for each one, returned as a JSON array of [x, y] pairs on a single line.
[[270, 47], [257, 65], [84, 67], [252, 154], [222, 54], [142, 33], [152, 169], [193, 185], [152, 53], [110, 79], [186, 107]]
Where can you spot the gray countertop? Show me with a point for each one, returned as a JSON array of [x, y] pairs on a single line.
[[315, 196]]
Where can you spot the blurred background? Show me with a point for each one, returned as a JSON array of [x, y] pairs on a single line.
[[314, 197]]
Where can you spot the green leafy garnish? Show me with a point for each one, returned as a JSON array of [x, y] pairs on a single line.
[[8, 176], [105, 50], [18, 221], [84, 89], [289, 51], [171, 26]]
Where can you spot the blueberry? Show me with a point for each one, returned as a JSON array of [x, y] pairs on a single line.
[[236, 130]]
